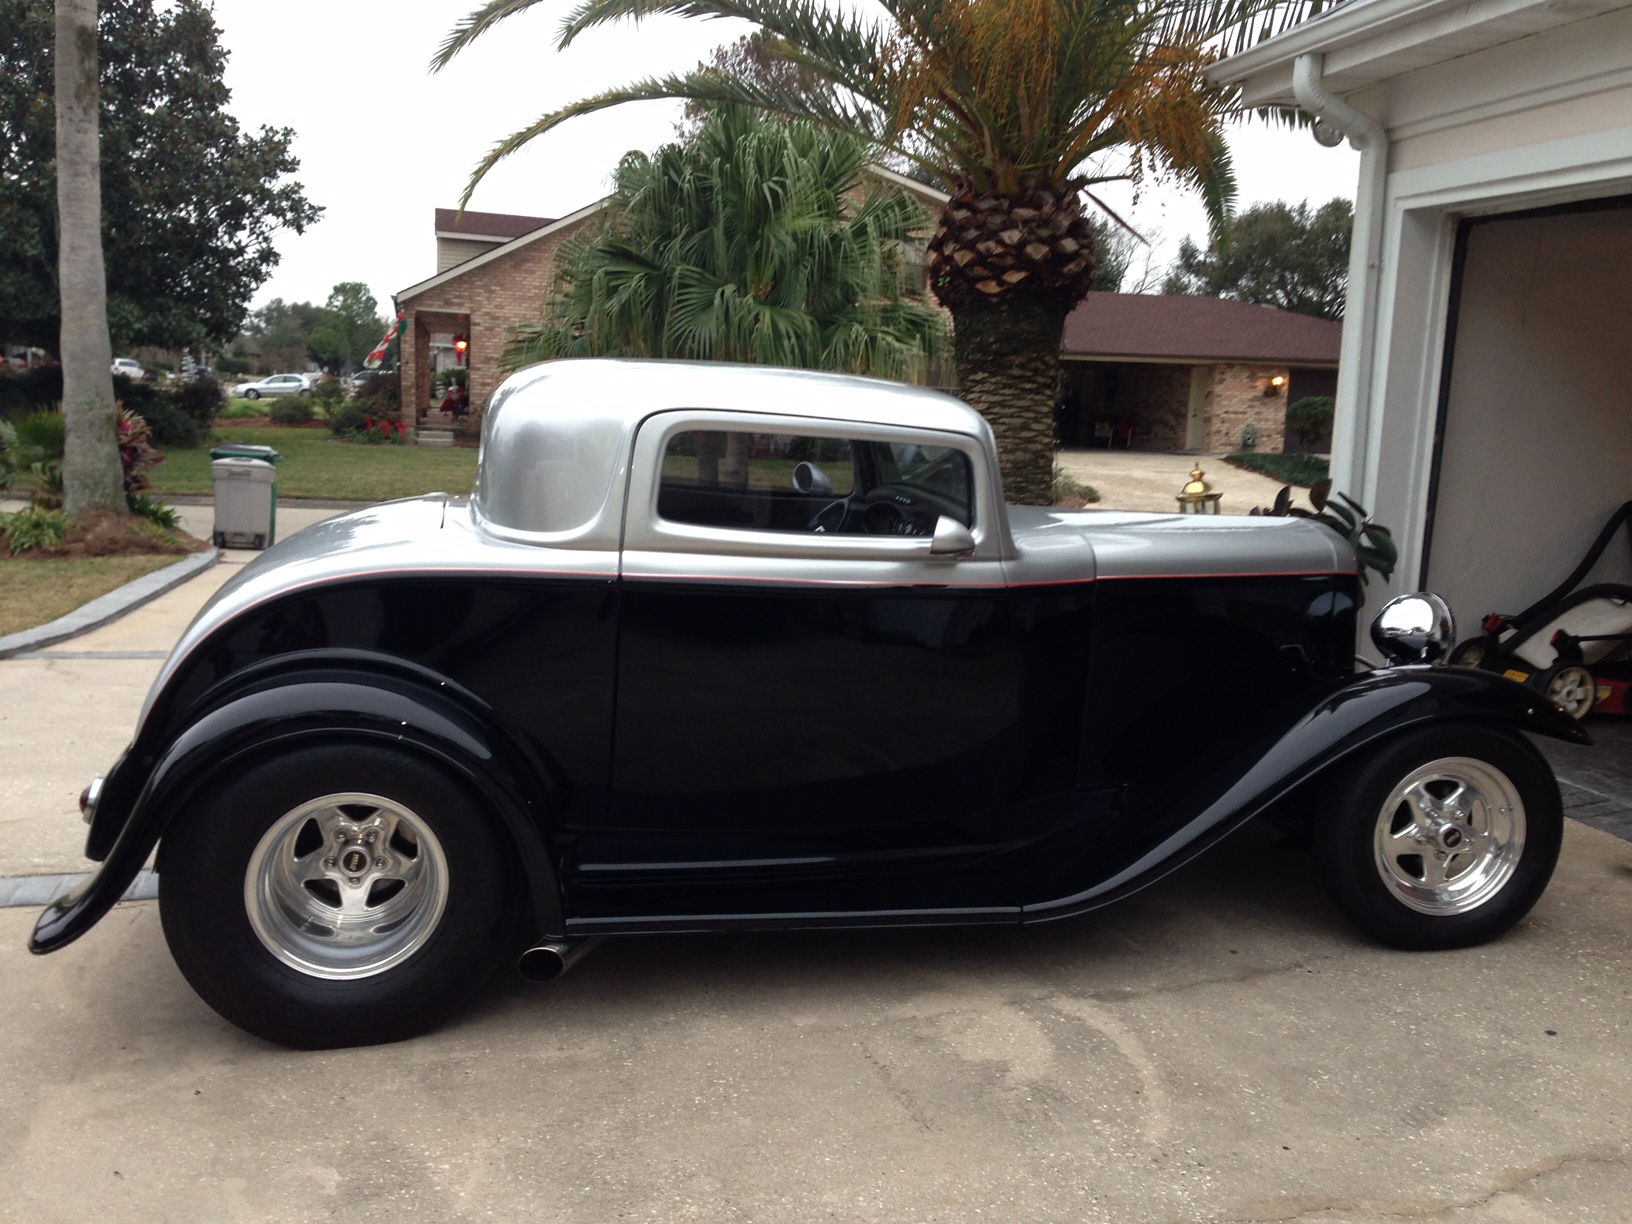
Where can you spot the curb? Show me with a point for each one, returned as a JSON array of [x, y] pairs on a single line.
[[109, 607]]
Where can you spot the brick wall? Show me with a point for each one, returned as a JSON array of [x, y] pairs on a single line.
[[1236, 399], [497, 296]]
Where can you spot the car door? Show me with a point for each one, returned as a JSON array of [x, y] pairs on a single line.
[[815, 716]]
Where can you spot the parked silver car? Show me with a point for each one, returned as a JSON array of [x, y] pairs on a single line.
[[276, 384]]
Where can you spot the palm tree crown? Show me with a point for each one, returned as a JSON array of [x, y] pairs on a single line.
[[1017, 107]]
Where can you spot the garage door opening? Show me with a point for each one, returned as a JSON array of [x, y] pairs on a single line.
[[1533, 448]]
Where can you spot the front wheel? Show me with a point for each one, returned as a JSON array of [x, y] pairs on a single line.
[[334, 896], [252, 394], [1444, 837]]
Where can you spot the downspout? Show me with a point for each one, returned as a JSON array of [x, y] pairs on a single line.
[[1354, 446]]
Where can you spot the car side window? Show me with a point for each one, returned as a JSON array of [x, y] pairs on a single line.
[[787, 482]]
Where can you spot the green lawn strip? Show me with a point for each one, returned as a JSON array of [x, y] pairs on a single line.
[[35, 592], [313, 465], [1294, 469]]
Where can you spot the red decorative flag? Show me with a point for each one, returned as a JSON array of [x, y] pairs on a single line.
[[372, 361]]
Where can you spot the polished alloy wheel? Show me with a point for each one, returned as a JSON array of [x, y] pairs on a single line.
[[346, 886], [1574, 690], [1450, 835]]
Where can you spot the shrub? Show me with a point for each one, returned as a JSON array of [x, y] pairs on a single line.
[[244, 410], [35, 528], [380, 392], [1311, 418], [1071, 492], [34, 444], [292, 410], [348, 419], [169, 426], [1294, 469], [31, 389], [228, 364], [376, 430], [146, 506], [201, 399], [136, 454], [328, 397]]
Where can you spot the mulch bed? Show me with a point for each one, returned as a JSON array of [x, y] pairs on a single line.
[[102, 533]]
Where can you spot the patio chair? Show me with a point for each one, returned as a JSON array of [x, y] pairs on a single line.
[[1124, 432]]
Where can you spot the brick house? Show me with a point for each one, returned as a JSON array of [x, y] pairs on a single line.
[[493, 271], [1162, 373]]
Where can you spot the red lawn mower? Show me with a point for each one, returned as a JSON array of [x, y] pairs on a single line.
[[1573, 645]]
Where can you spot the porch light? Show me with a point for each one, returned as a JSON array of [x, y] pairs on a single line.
[[1274, 385]]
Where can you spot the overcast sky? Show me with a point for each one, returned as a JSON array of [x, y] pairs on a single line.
[[382, 142]]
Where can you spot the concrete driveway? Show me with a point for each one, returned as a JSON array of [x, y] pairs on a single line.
[[1146, 481], [1219, 1048]]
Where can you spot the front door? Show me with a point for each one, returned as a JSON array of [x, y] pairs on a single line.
[[815, 716]]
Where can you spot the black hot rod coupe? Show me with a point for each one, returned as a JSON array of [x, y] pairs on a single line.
[[716, 647]]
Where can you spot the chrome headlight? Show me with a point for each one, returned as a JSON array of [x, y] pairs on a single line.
[[1414, 629]]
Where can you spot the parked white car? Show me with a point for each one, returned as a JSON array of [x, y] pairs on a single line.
[[129, 367], [275, 384]]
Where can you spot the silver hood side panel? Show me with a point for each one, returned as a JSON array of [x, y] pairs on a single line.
[[1055, 546]]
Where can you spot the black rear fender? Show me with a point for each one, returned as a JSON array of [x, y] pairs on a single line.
[[280, 712], [1159, 831]]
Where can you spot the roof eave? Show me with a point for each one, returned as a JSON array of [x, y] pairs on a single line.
[[498, 252]]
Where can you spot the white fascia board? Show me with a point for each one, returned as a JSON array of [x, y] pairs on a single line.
[[908, 183], [463, 237], [1372, 40], [486, 257]]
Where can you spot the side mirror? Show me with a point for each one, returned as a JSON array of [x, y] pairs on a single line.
[[808, 478], [951, 538], [1414, 629]]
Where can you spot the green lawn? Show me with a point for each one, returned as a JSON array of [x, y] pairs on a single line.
[[313, 465], [34, 592]]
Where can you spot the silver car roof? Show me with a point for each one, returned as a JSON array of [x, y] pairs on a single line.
[[557, 434]]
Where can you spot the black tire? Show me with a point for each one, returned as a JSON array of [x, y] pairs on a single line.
[[207, 851], [252, 394], [1355, 858]]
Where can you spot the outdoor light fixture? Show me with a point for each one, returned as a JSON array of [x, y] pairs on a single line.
[[460, 347], [1274, 385], [1327, 135]]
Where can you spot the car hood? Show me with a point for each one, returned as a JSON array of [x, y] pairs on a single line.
[[1071, 545]]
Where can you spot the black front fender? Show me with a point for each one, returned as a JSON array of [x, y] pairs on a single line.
[[1161, 831], [293, 709]]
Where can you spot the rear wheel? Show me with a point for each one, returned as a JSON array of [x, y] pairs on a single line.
[[1442, 838], [334, 896]]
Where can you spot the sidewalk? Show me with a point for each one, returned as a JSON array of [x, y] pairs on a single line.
[[68, 711]]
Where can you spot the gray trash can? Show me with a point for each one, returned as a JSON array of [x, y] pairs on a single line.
[[246, 502]]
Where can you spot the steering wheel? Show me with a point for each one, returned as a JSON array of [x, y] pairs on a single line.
[[889, 518], [831, 518]]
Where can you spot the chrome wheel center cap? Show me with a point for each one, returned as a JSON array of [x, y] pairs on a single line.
[[354, 862], [1452, 838]]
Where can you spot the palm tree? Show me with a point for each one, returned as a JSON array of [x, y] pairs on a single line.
[[1018, 107], [756, 241], [92, 477]]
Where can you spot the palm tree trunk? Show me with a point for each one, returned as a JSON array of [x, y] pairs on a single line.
[[1008, 354], [92, 477]]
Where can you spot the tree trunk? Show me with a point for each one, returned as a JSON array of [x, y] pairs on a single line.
[[92, 476], [1008, 353]]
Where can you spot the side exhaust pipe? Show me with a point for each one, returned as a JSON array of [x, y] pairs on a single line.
[[549, 960]]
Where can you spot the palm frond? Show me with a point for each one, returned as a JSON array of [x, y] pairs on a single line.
[[474, 26]]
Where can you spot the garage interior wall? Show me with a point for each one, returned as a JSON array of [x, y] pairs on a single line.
[[1536, 448]]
